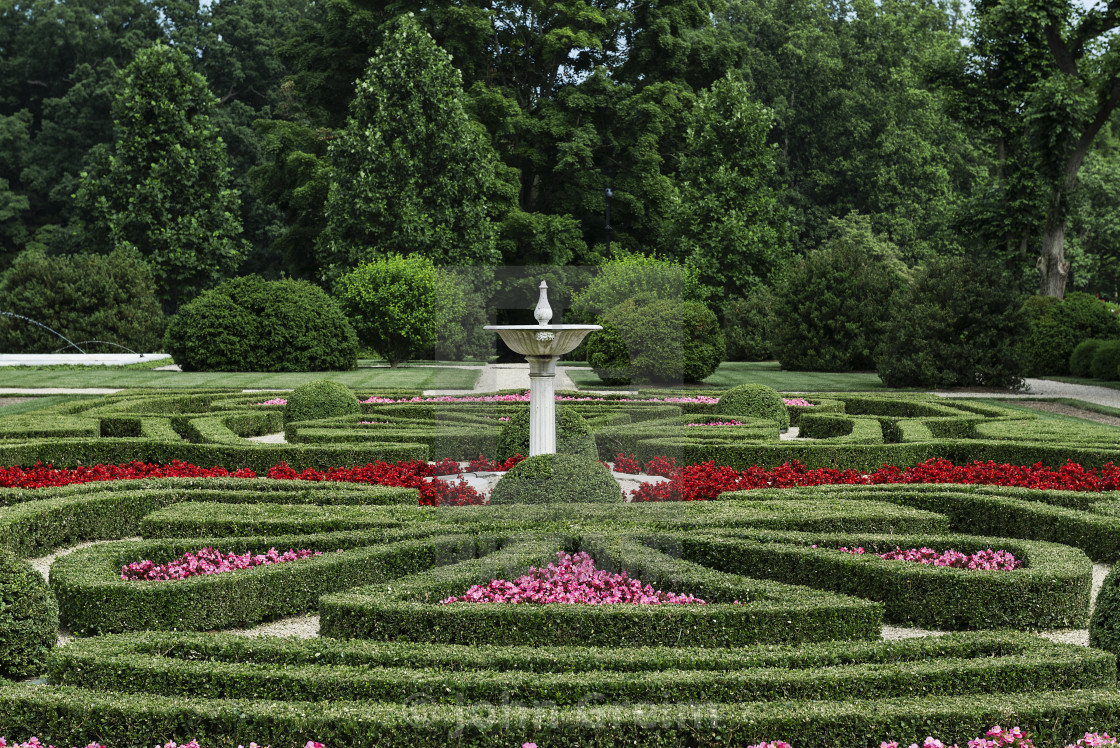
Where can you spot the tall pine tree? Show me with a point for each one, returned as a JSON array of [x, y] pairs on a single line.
[[164, 188], [412, 172]]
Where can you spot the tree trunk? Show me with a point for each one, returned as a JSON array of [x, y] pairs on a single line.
[[1052, 263]]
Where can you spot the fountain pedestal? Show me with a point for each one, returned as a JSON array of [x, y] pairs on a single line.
[[542, 345]]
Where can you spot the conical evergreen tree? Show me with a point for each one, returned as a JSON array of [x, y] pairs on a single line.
[[412, 172], [164, 188]]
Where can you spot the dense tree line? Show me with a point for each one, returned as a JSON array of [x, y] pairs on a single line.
[[301, 139]]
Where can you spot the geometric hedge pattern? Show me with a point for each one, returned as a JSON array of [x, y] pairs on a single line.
[[786, 648]]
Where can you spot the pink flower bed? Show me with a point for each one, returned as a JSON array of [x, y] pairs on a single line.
[[274, 401], [997, 737], [209, 561], [717, 423], [798, 401], [33, 742], [986, 560], [571, 580]]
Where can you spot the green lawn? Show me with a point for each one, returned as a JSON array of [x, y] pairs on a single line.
[[423, 377], [731, 373]]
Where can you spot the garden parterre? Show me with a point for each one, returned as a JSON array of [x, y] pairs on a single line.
[[786, 646]]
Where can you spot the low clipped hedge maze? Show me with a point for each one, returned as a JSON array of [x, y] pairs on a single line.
[[787, 647]]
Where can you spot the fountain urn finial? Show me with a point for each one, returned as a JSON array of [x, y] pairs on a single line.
[[543, 312]]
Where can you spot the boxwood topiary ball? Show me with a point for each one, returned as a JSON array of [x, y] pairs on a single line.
[[557, 479], [755, 400], [28, 618], [320, 399], [573, 436]]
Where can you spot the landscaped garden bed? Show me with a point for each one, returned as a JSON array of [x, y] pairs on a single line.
[[784, 646]]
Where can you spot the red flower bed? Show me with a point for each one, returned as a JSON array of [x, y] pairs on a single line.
[[708, 480], [691, 483]]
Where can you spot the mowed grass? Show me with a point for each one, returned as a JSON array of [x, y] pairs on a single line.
[[368, 375], [731, 373]]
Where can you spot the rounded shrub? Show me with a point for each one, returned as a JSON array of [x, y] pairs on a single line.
[[392, 303], [573, 436], [832, 305], [250, 324], [1104, 625], [1057, 326], [756, 400], [28, 618], [1105, 361], [1081, 360], [557, 479], [956, 325], [84, 297], [320, 399], [650, 340]]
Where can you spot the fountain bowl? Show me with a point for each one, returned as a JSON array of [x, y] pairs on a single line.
[[543, 340]]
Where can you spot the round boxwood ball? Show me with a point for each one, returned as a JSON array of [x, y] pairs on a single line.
[[28, 618], [557, 479], [573, 436], [755, 400], [1081, 360], [321, 398], [1104, 626]]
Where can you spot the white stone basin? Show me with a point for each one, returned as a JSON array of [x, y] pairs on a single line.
[[543, 340]]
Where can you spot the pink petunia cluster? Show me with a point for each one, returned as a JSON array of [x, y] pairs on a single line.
[[274, 401], [997, 737], [33, 742], [775, 744], [985, 560], [571, 580], [798, 401], [209, 561], [718, 423]]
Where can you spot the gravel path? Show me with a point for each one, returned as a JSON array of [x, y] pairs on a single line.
[[1043, 388]]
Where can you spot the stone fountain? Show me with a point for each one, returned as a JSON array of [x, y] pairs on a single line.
[[542, 345]]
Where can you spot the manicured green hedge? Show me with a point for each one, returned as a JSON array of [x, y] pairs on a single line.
[[1061, 517], [109, 511], [93, 599], [1051, 591], [812, 515], [67, 715], [408, 609], [228, 667]]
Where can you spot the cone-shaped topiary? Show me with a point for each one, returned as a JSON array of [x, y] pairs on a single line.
[[573, 436], [756, 400], [28, 618], [321, 398], [556, 479]]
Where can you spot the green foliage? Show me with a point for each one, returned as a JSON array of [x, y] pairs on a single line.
[[756, 400], [321, 398], [164, 188], [392, 303], [1037, 80], [832, 304], [1106, 358], [28, 618], [412, 172], [1057, 326], [733, 225], [250, 324], [557, 479], [84, 297], [573, 436], [748, 325], [1081, 360], [647, 339], [1104, 625], [628, 274], [955, 326]]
